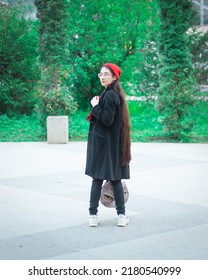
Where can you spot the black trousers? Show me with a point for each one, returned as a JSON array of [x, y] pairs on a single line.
[[96, 192]]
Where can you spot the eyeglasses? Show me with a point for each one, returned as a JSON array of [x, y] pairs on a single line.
[[105, 74]]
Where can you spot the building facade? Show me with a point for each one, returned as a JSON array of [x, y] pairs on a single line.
[[202, 8]]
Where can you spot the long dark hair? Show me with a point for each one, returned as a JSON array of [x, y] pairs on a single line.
[[125, 140]]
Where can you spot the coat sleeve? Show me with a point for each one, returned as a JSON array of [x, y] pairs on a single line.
[[105, 113]]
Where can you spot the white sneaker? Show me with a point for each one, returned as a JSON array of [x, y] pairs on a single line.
[[93, 221], [122, 220]]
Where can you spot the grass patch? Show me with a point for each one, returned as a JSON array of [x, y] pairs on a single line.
[[144, 125], [22, 129], [199, 115], [78, 126]]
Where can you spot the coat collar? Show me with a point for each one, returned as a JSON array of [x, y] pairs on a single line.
[[109, 87]]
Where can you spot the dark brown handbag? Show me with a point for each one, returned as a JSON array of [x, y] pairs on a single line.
[[107, 194]]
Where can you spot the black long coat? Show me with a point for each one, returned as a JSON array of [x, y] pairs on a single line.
[[103, 149]]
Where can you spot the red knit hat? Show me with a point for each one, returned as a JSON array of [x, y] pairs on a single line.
[[116, 70]]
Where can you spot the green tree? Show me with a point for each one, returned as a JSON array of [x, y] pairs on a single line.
[[18, 72], [141, 65], [199, 50], [176, 80], [100, 31], [55, 96]]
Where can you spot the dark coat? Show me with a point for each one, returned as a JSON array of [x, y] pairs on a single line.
[[103, 149]]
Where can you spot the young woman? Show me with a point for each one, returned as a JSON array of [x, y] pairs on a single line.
[[108, 149]]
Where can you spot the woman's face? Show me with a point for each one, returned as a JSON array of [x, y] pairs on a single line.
[[106, 77]]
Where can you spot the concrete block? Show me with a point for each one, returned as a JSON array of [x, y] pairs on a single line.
[[57, 129]]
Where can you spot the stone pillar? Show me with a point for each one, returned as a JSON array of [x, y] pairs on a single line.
[[57, 130]]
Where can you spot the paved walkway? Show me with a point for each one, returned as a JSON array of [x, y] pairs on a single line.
[[44, 204]]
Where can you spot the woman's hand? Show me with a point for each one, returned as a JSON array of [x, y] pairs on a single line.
[[95, 101]]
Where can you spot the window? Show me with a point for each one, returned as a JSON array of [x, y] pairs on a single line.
[[202, 8]]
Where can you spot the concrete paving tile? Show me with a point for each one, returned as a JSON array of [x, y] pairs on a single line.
[[157, 219], [44, 204], [174, 245], [183, 184]]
